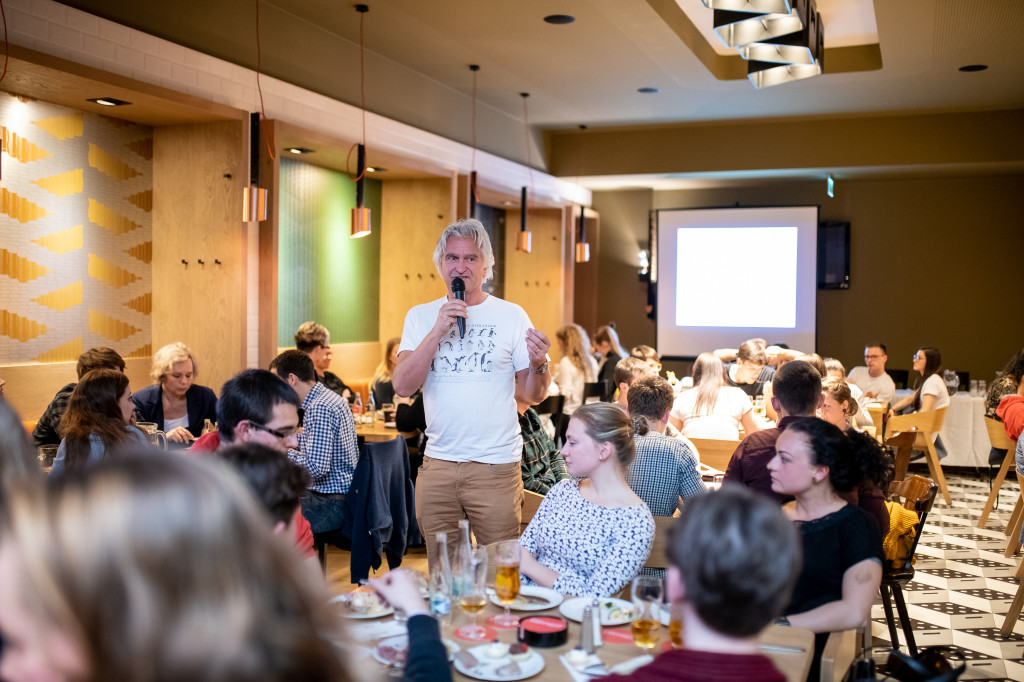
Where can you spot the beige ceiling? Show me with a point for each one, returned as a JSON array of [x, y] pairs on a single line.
[[588, 72]]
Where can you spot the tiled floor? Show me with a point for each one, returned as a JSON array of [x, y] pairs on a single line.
[[963, 584]]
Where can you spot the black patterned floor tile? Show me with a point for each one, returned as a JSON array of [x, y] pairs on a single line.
[[950, 609], [984, 563], [986, 593], [943, 572], [994, 634]]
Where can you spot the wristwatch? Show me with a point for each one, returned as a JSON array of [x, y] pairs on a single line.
[[540, 370]]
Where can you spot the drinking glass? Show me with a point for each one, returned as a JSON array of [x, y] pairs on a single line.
[[675, 626], [46, 454], [506, 580], [473, 586], [154, 435], [952, 380], [647, 594], [974, 388]]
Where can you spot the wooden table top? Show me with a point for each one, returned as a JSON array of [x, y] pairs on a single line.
[[376, 431]]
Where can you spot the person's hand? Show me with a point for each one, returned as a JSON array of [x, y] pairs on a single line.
[[537, 344], [180, 434], [871, 394], [400, 590], [449, 312]]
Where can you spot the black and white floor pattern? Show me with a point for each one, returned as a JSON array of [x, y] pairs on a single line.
[[963, 584]]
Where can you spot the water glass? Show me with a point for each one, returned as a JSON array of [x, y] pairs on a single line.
[[647, 594], [46, 454], [473, 584], [974, 388]]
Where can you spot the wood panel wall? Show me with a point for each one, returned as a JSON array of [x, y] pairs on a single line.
[[198, 174], [537, 279]]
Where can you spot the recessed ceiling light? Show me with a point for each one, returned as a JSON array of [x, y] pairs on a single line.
[[108, 101], [647, 91], [299, 150], [559, 19], [506, 202], [375, 169], [971, 68]]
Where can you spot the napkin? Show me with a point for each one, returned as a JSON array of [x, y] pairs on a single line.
[[376, 630], [577, 674]]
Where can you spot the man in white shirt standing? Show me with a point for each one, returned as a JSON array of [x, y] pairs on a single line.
[[471, 467], [873, 380]]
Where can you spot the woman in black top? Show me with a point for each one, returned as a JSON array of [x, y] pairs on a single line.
[[606, 344]]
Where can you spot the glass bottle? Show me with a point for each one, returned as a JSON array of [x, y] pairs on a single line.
[[441, 582], [357, 408], [463, 558]]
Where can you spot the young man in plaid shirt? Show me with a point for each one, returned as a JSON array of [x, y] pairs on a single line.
[[327, 450]]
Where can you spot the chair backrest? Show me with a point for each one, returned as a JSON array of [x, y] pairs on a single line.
[[531, 503], [901, 444], [918, 495], [927, 421], [595, 391], [997, 435], [899, 377], [713, 452], [553, 406], [658, 557]]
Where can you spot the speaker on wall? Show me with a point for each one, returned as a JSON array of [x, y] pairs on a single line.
[[833, 254]]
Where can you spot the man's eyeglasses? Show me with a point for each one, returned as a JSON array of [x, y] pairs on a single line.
[[283, 434], [872, 357]]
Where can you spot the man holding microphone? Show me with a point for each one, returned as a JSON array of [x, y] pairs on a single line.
[[470, 356]]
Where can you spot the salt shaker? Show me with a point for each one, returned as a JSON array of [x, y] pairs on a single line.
[[595, 608], [587, 630]]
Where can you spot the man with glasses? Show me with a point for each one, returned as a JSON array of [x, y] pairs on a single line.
[[327, 447], [872, 379]]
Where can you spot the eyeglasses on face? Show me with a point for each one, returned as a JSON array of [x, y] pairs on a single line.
[[871, 357], [283, 434], [918, 356]]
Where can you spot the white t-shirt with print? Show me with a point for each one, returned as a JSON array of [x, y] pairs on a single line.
[[469, 395]]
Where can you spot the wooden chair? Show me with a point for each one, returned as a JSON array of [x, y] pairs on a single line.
[[927, 423], [877, 414], [918, 495], [901, 445], [1013, 539], [1018, 598], [531, 503], [839, 653], [998, 439], [658, 556], [553, 406], [713, 452]]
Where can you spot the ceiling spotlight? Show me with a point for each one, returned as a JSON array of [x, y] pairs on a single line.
[[108, 101], [647, 91], [559, 19], [299, 150], [740, 28], [971, 68], [375, 169]]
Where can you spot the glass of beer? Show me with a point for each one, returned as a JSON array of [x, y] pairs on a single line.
[[675, 627], [647, 593], [473, 584], [506, 579]]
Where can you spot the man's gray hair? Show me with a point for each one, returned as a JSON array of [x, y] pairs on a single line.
[[470, 229]]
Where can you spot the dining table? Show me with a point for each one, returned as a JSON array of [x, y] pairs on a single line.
[[790, 648], [377, 431], [963, 433]]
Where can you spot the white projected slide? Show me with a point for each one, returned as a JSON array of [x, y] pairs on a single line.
[[727, 275]]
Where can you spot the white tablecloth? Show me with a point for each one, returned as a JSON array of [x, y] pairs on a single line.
[[963, 432]]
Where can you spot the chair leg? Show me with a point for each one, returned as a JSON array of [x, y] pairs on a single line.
[[996, 485], [1014, 612], [1013, 542], [901, 608], [890, 619], [1020, 570], [321, 555], [1018, 508], [935, 468]]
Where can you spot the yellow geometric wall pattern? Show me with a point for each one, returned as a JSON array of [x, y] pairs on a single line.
[[63, 241], [76, 233]]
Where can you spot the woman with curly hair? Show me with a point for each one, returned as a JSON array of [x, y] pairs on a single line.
[[100, 419]]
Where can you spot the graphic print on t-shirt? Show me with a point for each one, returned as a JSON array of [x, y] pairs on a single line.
[[468, 358]]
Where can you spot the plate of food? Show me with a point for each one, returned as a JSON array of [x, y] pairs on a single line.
[[499, 662], [362, 602], [393, 650], [531, 598], [613, 611]]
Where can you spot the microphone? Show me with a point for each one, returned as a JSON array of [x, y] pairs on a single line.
[[459, 291]]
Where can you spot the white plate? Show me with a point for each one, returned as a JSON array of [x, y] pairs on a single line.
[[573, 610], [488, 667], [553, 598], [401, 642], [384, 610], [391, 425]]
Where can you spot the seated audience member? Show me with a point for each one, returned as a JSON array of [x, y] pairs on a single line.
[[327, 446], [175, 404], [314, 340], [648, 355], [256, 406], [1011, 411], [427, 658], [750, 372], [711, 409], [591, 533], [872, 379], [154, 566], [1006, 383], [756, 557], [380, 385], [46, 430], [99, 419], [18, 464], [628, 370], [542, 465], [797, 394], [815, 360], [664, 468], [606, 345], [275, 481], [842, 547], [835, 369], [837, 404], [574, 369], [930, 390]]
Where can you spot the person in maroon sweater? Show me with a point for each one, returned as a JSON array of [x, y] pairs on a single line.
[[796, 395], [734, 558]]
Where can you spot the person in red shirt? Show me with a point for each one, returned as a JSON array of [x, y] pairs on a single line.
[[733, 560], [257, 406]]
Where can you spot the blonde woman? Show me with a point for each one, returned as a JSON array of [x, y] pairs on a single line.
[[576, 367], [380, 385], [176, 404], [157, 568], [712, 408]]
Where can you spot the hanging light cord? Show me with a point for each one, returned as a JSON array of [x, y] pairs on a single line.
[[472, 164], [529, 148], [362, 98], [259, 60]]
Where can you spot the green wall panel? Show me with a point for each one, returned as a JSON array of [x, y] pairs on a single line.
[[323, 274]]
